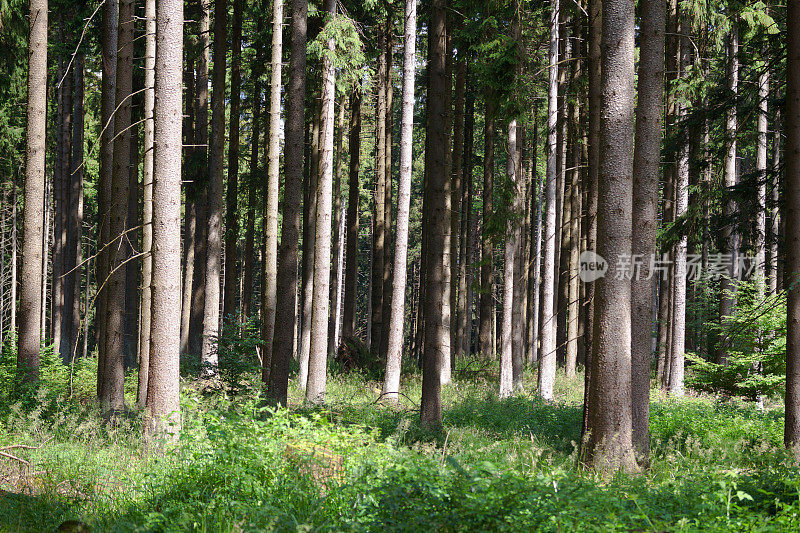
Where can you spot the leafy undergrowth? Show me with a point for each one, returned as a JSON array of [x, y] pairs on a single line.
[[358, 465]]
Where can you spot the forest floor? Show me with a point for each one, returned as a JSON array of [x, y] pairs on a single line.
[[358, 465]]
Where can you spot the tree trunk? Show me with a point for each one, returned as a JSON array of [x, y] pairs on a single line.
[[318, 356], [76, 208], [112, 392], [107, 106], [285, 312], [387, 198], [773, 278], [610, 445], [761, 170], [310, 197], [437, 222], [792, 220], [190, 218], [593, 164], [163, 392], [464, 308], [456, 223], [487, 240], [273, 176], [232, 193], [337, 254], [729, 235], [62, 288], [201, 182], [147, 211], [211, 321], [354, 193], [252, 200], [547, 356], [379, 235], [33, 216], [506, 356], [391, 384], [646, 161]]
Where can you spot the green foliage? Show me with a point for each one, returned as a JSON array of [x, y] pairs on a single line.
[[505, 465], [754, 338]]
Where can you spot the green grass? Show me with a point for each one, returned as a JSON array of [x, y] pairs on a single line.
[[496, 465]]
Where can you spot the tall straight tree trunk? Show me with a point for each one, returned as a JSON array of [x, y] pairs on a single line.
[[646, 159], [571, 279], [201, 182], [112, 392], [210, 358], [761, 169], [354, 193], [487, 242], [190, 219], [33, 217], [547, 356], [273, 174], [437, 222], [792, 219], [379, 235], [593, 170], [131, 336], [163, 392], [456, 223], [318, 356], [107, 105], [729, 235], [285, 307], [76, 207], [773, 278], [232, 193], [61, 281], [252, 199], [387, 197], [391, 383], [535, 265], [309, 236], [506, 363], [610, 445], [147, 210], [464, 308], [337, 255]]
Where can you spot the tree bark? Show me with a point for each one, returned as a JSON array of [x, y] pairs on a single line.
[[252, 200], [379, 235], [730, 239], [201, 182], [293, 194], [465, 274], [646, 159], [487, 241], [391, 383], [610, 445], [354, 193], [112, 392], [163, 391], [506, 356], [792, 219], [337, 261], [547, 355], [33, 216], [232, 192], [318, 356], [437, 222], [147, 211], [271, 208], [456, 223], [76, 207], [211, 320], [775, 212], [107, 105]]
